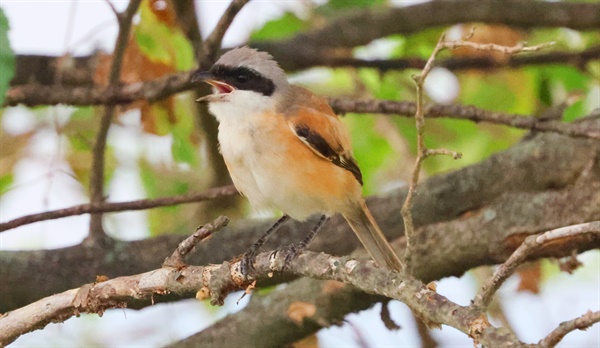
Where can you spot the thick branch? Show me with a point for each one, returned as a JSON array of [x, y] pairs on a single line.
[[552, 171], [578, 59], [42, 69], [220, 280], [362, 26]]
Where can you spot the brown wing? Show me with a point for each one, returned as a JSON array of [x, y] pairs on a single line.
[[319, 128]]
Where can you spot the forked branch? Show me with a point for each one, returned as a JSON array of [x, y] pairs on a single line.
[[422, 151]]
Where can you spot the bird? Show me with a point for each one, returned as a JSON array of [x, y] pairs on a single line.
[[286, 149]]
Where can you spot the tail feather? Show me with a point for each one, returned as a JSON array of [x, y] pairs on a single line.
[[363, 224]]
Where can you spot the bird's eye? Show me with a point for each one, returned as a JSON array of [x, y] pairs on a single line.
[[242, 77]]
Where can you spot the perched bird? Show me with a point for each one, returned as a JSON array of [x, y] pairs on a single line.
[[286, 149]]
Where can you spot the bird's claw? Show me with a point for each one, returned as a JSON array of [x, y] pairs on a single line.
[[289, 254], [247, 265]]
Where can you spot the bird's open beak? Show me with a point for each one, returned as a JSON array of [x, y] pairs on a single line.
[[221, 88]]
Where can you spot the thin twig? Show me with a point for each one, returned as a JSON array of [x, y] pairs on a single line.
[[113, 9], [582, 323], [97, 170], [422, 151], [108, 207], [530, 245], [508, 50], [213, 41], [177, 259]]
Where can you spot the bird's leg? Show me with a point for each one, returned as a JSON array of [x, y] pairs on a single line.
[[247, 262], [294, 250]]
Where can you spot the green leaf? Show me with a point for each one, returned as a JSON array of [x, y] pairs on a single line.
[[162, 43], [570, 77], [280, 28], [5, 182], [7, 57], [575, 111], [371, 150], [420, 44], [505, 91], [390, 86], [159, 182], [183, 149]]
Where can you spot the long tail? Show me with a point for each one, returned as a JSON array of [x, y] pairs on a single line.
[[362, 223]]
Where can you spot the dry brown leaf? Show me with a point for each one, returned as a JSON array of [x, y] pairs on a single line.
[[137, 67], [297, 311], [307, 342], [332, 286], [570, 264], [531, 277], [203, 293], [101, 278], [164, 11]]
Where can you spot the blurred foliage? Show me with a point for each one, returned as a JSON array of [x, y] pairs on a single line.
[[160, 38], [280, 28], [7, 57]]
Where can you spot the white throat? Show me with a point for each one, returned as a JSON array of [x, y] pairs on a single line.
[[239, 105]]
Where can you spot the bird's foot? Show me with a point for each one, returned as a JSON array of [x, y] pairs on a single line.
[[289, 254], [247, 265]]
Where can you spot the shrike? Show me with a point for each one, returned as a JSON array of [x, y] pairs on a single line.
[[286, 149]]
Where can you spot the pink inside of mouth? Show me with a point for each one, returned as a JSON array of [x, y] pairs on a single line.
[[223, 88]]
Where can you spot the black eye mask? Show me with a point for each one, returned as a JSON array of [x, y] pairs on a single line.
[[243, 78]]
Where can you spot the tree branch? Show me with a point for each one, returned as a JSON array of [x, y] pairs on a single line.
[[97, 170], [578, 59], [467, 112], [582, 323], [176, 260], [422, 151], [213, 41], [219, 280], [530, 245], [42, 69], [362, 26], [41, 95], [109, 207], [552, 184]]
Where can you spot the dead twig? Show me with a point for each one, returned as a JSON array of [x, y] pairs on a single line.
[[176, 260], [530, 245], [422, 151], [582, 323]]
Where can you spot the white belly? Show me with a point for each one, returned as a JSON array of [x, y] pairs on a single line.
[[260, 162], [260, 170]]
